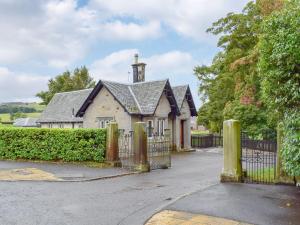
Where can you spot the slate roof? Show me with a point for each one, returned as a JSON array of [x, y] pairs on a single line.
[[62, 106], [138, 98], [148, 94], [25, 122], [179, 92], [183, 92]]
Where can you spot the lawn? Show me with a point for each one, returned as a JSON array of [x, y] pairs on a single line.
[[5, 125], [265, 175], [200, 132], [5, 117]]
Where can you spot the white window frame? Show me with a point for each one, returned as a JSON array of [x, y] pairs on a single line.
[[161, 126], [104, 121]]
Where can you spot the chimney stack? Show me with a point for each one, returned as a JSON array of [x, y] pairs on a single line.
[[138, 70]]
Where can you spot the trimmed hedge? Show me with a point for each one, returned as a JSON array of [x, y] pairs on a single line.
[[53, 144]]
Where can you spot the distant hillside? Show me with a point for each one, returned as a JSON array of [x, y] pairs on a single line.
[[10, 110], [13, 107]]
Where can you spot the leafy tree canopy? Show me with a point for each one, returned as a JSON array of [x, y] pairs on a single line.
[[67, 81], [279, 67], [231, 85]]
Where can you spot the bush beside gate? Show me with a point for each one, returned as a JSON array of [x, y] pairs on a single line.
[[53, 144]]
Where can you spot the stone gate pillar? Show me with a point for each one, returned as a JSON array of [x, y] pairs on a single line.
[[140, 147], [112, 146], [232, 168]]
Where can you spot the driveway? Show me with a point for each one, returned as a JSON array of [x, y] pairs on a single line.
[[249, 203], [126, 200]]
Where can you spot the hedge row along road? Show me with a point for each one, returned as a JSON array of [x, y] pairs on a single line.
[[53, 144]]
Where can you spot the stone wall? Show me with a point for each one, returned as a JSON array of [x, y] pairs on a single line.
[[105, 105]]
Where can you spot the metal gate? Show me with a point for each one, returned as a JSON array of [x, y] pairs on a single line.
[[126, 152], [158, 151], [159, 155], [259, 158]]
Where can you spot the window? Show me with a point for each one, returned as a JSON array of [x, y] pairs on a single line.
[[150, 128], [104, 121], [161, 127], [102, 124], [50, 125], [61, 125]]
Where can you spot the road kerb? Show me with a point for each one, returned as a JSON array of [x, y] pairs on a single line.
[[170, 217]]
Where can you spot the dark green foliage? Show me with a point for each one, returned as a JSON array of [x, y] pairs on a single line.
[[53, 144], [231, 86], [291, 143], [78, 80], [279, 67], [15, 109], [279, 62], [252, 118]]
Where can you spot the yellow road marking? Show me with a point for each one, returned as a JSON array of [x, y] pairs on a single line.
[[26, 174], [169, 217]]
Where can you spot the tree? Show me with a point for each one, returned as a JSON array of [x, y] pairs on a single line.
[[17, 115], [279, 67], [232, 77], [231, 86], [78, 80]]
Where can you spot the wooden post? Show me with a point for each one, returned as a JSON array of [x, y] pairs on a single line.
[[112, 146], [140, 147], [232, 169]]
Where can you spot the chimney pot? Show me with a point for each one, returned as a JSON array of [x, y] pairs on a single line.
[[138, 70], [136, 58]]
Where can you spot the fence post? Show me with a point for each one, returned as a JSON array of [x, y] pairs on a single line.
[[112, 146], [140, 147], [232, 169], [281, 177]]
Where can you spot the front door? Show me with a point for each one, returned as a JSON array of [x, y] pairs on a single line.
[[182, 133]]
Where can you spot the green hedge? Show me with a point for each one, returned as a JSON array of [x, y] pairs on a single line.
[[53, 144], [291, 143]]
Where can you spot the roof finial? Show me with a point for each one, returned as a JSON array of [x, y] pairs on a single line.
[[136, 58]]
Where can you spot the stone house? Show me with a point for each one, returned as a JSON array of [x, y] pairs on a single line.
[[156, 103]]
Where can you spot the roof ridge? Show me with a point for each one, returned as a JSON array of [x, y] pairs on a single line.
[[151, 81], [183, 85], [131, 84], [134, 98], [66, 92]]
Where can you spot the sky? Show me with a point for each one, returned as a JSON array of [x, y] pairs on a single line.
[[43, 38]]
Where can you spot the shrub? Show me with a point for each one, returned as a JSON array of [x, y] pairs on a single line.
[[53, 144], [291, 143]]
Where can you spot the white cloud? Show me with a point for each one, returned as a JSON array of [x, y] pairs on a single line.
[[189, 18], [115, 66], [118, 30], [19, 86], [58, 33], [177, 66]]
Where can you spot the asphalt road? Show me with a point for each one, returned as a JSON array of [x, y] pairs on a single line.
[[126, 200], [251, 203]]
